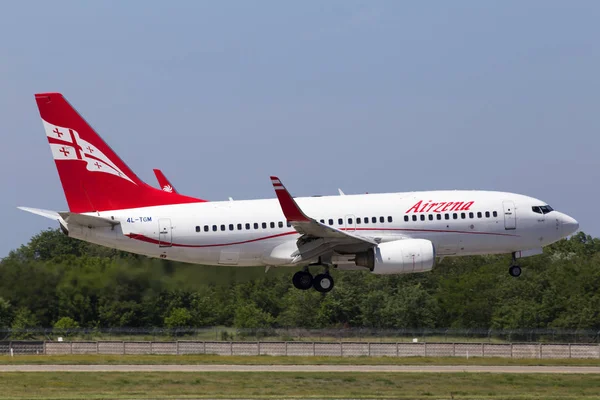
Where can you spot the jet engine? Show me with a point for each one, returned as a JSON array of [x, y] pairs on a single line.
[[398, 257]]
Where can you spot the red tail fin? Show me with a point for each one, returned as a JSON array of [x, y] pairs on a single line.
[[163, 182], [93, 177]]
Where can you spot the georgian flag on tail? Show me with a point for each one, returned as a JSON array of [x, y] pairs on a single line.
[[67, 145]]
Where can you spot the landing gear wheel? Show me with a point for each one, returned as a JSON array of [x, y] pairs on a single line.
[[515, 271], [323, 283], [302, 280]]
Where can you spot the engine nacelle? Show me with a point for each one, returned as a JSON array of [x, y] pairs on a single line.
[[398, 257]]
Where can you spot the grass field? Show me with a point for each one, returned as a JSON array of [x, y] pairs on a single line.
[[274, 360], [296, 385]]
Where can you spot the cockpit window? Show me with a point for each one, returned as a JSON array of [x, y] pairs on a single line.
[[546, 209], [542, 209]]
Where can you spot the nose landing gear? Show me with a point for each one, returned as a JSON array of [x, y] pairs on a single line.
[[514, 270]]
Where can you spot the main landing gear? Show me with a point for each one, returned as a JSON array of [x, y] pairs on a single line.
[[514, 270], [303, 280]]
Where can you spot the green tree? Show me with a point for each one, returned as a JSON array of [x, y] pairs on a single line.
[[5, 313], [23, 324], [178, 318], [250, 316]]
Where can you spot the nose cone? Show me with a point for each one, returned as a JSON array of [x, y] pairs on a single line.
[[568, 225]]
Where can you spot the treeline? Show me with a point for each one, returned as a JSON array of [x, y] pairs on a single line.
[[65, 283]]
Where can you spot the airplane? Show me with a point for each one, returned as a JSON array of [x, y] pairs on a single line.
[[163, 182], [388, 233]]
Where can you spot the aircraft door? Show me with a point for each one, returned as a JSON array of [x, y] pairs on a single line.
[[510, 215], [350, 223], [165, 233]]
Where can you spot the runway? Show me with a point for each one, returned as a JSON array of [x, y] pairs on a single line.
[[510, 369]]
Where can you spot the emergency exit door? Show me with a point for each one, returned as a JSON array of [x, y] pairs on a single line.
[[510, 215], [165, 233]]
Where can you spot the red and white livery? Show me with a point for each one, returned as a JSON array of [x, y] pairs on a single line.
[[391, 233]]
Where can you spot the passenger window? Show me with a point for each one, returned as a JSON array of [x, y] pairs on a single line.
[[431, 217], [455, 216], [495, 214], [264, 225], [349, 221], [358, 220], [330, 221], [214, 228], [374, 220], [272, 225], [222, 227], [471, 215], [322, 221], [239, 227], [463, 215], [381, 219], [439, 216], [280, 224], [340, 221], [231, 227], [390, 219], [414, 217], [247, 225], [406, 218], [479, 214], [422, 217], [197, 229], [256, 225], [447, 216], [289, 224], [366, 220], [206, 228], [487, 214]]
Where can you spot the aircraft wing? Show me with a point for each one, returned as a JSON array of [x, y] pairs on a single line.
[[310, 227]]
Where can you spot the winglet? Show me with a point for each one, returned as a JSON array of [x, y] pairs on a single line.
[[340, 192], [292, 212], [164, 183]]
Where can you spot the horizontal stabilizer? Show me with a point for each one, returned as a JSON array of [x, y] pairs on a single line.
[[87, 220], [44, 213]]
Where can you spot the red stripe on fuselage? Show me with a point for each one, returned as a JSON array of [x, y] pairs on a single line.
[[154, 241]]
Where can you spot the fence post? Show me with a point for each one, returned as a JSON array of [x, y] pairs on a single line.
[[177, 347], [569, 350], [425, 349], [341, 348], [511, 350], [397, 350], [123, 347], [97, 347], [71, 347], [314, 349], [44, 348], [482, 349], [230, 348], [258, 347], [286, 350], [204, 347], [369, 349], [454, 349], [540, 350]]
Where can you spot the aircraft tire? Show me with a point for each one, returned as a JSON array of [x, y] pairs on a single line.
[[302, 280], [514, 271], [323, 283]]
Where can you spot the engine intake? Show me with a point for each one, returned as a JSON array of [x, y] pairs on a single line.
[[398, 257]]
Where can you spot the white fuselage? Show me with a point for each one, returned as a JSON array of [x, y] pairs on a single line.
[[245, 233]]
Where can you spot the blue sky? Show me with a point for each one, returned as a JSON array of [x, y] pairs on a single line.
[[368, 96]]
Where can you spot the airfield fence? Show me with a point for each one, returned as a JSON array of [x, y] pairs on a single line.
[[339, 349], [216, 334]]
